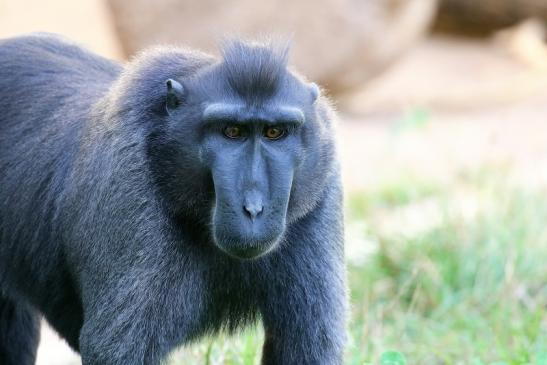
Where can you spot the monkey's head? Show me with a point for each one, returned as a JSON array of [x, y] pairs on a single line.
[[246, 147]]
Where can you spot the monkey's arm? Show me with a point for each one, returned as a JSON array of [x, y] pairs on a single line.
[[304, 304], [140, 317], [140, 300]]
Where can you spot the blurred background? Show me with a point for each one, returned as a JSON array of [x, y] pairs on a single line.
[[443, 140]]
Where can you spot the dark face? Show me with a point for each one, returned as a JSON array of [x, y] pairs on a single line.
[[250, 165], [252, 158]]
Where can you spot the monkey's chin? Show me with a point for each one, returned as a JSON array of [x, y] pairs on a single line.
[[245, 250]]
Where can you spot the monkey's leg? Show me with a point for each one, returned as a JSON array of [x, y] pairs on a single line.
[[304, 322], [19, 333], [304, 303]]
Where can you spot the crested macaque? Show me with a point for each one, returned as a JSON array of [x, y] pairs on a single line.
[[145, 205]]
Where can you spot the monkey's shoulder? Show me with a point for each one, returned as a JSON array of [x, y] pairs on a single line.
[[41, 49]]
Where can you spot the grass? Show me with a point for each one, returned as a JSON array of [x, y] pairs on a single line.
[[439, 274]]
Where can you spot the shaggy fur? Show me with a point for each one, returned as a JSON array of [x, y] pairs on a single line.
[[109, 202]]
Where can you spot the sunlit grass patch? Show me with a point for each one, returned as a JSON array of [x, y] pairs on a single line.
[[391, 193], [462, 292]]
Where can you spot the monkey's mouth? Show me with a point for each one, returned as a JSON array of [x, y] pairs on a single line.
[[245, 236], [245, 247]]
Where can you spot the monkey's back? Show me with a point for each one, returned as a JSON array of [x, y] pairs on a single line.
[[47, 88], [42, 74]]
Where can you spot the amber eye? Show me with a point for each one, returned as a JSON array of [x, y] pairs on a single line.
[[274, 132], [233, 131]]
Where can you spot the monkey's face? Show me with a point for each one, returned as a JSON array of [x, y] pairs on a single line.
[[256, 150], [257, 142], [252, 162]]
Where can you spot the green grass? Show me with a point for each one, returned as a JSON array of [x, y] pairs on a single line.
[[467, 287]]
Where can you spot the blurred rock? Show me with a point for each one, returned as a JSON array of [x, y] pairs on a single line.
[[446, 73], [339, 43], [479, 18], [526, 42]]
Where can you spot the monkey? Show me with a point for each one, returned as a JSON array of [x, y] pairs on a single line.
[[145, 205]]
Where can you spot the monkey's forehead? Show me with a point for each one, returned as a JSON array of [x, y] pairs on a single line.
[[215, 88]]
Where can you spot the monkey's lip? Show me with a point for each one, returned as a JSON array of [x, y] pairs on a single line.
[[246, 254], [247, 251]]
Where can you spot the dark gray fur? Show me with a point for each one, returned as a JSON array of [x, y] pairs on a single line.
[[107, 207]]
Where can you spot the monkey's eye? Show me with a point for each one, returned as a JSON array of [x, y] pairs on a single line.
[[233, 131], [274, 132]]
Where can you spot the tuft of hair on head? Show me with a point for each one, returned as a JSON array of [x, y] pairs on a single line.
[[255, 69]]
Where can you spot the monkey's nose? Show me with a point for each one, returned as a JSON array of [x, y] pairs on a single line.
[[253, 210]]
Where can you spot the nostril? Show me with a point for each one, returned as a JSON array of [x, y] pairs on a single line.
[[253, 210]]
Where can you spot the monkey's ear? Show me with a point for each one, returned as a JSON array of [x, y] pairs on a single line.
[[175, 94], [314, 91]]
